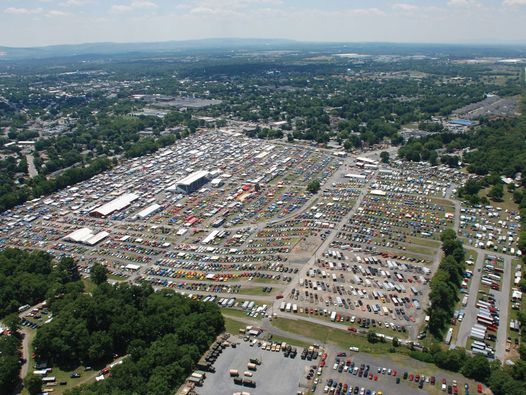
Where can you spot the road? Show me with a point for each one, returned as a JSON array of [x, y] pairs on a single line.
[[470, 311], [31, 169], [25, 352], [503, 303]]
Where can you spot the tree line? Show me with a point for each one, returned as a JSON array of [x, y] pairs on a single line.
[[445, 284]]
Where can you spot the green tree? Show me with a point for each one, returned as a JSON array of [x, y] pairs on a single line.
[[477, 368], [98, 274], [313, 186], [496, 192], [33, 384], [372, 337], [384, 155]]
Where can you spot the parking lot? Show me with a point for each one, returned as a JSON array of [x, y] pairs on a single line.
[[276, 374]]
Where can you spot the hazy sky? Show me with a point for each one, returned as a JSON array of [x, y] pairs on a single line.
[[42, 22]]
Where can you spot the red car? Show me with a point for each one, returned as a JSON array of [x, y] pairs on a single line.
[[479, 388], [411, 377], [370, 376], [394, 373], [375, 377], [323, 356]]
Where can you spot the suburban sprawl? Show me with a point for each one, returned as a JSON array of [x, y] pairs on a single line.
[[297, 220]]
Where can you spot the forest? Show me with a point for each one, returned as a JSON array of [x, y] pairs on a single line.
[[162, 333], [31, 277]]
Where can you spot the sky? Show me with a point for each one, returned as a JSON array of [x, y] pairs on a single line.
[[26, 23]]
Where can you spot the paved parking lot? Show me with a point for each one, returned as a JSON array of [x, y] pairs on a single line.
[[276, 375]]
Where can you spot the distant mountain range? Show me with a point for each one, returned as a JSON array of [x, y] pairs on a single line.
[[222, 44], [12, 53]]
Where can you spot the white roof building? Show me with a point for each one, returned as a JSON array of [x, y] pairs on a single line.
[[117, 204]]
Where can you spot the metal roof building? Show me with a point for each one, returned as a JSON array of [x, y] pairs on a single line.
[[86, 236], [117, 204], [191, 183]]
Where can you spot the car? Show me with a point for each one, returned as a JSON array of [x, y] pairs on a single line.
[[479, 388], [398, 380], [411, 377], [444, 388], [405, 375], [74, 375], [375, 377], [432, 380], [449, 389]]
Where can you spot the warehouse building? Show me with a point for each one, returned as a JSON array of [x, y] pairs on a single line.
[[190, 183], [117, 204]]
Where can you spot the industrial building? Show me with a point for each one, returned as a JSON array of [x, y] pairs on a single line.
[[190, 183], [117, 204]]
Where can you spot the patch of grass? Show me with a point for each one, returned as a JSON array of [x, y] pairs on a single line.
[[116, 278], [326, 334], [89, 285], [423, 242], [265, 280], [238, 314], [255, 291], [288, 340], [420, 250], [233, 325]]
